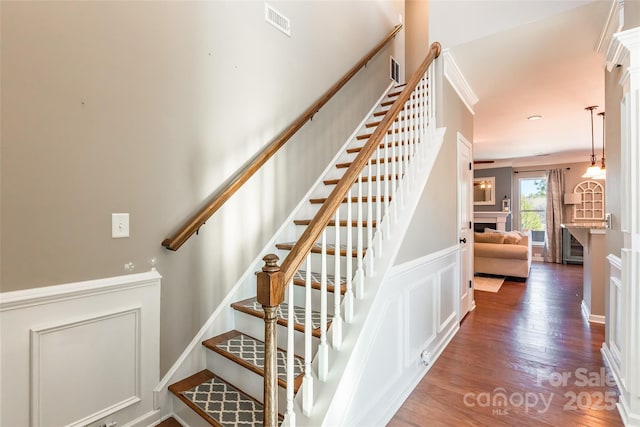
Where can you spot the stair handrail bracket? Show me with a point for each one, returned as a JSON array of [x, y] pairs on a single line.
[[273, 280], [240, 177]]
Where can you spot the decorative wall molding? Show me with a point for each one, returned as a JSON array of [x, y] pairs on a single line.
[[81, 353], [100, 335], [424, 294], [454, 75], [606, 43], [626, 306], [58, 293]]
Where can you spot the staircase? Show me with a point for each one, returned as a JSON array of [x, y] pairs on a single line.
[[328, 284]]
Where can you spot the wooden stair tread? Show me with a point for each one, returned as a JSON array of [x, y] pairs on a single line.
[[354, 199], [383, 112], [317, 248], [300, 279], [334, 181], [217, 401], [373, 161], [389, 132], [391, 101], [252, 307], [358, 149], [249, 353], [332, 223]]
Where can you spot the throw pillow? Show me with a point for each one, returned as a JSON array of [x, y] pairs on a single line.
[[488, 238], [510, 237]]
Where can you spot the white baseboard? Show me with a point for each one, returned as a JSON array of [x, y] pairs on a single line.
[[592, 318], [151, 418]]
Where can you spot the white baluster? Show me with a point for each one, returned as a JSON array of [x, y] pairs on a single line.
[[406, 146], [423, 100], [348, 295], [359, 243], [401, 164], [370, 219], [394, 175], [432, 100], [307, 381], [336, 323], [323, 350], [423, 112], [379, 198], [387, 195], [290, 356], [414, 112]]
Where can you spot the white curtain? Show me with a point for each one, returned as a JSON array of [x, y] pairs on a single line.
[[553, 241]]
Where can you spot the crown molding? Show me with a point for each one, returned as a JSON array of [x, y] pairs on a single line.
[[612, 25], [454, 75]]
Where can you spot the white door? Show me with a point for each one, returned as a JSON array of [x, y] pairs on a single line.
[[465, 224]]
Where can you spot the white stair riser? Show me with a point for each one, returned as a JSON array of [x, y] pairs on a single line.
[[316, 262], [254, 326], [242, 378], [299, 296], [331, 233], [186, 415]]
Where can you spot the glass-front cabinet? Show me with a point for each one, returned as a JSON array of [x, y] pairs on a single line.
[[572, 250]]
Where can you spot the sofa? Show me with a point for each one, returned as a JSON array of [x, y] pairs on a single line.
[[502, 253]]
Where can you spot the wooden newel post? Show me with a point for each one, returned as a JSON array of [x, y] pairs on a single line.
[[270, 295]]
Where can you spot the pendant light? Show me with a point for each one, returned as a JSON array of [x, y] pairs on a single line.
[[602, 173], [594, 169]]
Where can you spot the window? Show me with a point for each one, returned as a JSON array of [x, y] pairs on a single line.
[[533, 207]]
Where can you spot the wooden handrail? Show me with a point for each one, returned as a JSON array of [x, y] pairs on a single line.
[[326, 212], [241, 176]]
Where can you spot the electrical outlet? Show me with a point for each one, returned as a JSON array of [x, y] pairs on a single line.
[[119, 225]]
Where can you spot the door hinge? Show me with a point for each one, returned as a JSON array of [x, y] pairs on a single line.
[[469, 165], [470, 225], [470, 284]]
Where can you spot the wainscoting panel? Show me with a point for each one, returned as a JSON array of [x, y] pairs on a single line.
[[421, 324], [81, 354], [417, 319], [448, 297], [110, 344]]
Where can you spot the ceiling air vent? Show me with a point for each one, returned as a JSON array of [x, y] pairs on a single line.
[[395, 70], [277, 19]]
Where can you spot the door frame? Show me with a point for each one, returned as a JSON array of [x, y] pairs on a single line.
[[465, 252]]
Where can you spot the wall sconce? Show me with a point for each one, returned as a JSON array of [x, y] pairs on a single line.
[[572, 198]]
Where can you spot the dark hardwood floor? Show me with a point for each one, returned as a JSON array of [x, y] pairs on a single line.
[[524, 357]]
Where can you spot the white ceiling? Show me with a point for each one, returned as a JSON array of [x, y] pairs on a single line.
[[523, 58]]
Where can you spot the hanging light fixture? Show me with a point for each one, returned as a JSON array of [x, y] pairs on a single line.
[[594, 169], [602, 173]]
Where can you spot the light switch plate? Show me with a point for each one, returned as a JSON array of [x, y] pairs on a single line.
[[119, 225]]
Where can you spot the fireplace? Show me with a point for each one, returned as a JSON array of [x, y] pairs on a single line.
[[479, 227], [495, 220]]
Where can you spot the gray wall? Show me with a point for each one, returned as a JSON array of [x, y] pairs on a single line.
[[434, 224], [503, 188], [146, 108]]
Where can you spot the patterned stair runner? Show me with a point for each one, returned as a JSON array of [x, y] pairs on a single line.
[[317, 248], [252, 306], [300, 279], [249, 352], [217, 401]]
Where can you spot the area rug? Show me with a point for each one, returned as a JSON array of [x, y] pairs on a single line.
[[487, 284]]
